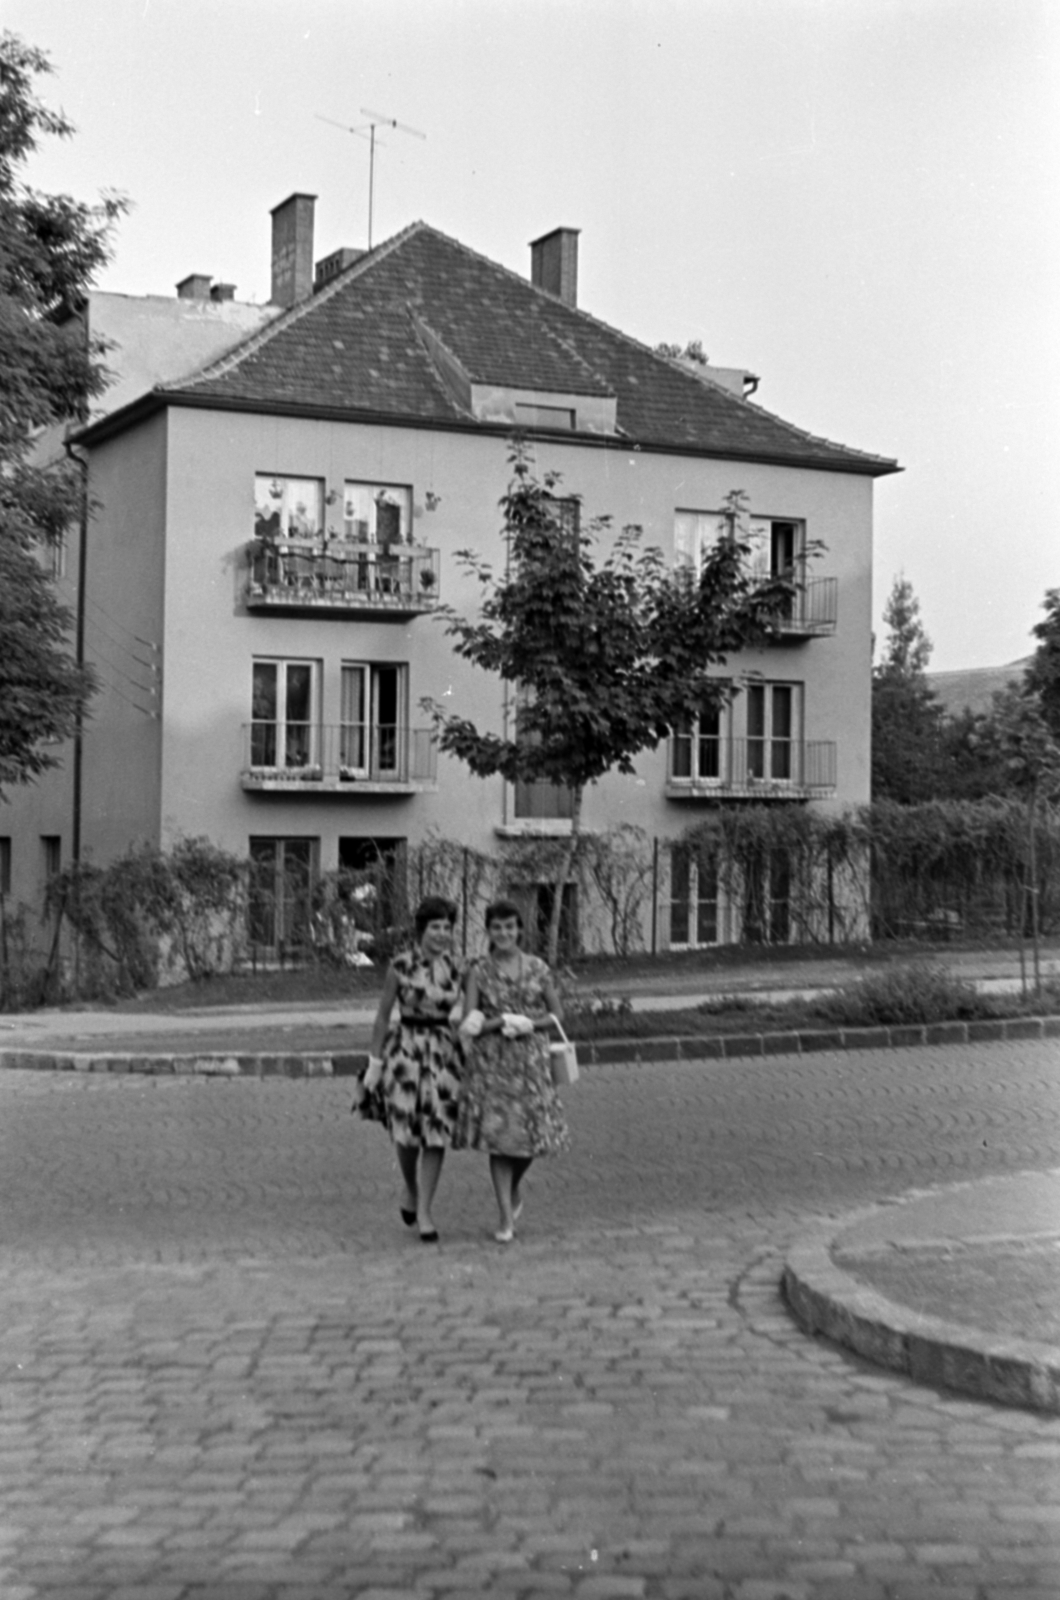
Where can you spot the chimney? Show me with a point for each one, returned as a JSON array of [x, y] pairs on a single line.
[[223, 291], [196, 286], [554, 263], [292, 250]]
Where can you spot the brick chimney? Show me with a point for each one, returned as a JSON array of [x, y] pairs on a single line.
[[554, 263], [223, 291], [196, 286], [292, 250]]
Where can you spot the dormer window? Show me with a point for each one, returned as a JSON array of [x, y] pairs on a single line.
[[535, 416]]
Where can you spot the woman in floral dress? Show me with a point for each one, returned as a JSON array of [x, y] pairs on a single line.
[[413, 1082], [510, 1107]]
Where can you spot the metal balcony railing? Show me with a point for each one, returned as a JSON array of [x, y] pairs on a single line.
[[395, 579], [701, 768], [308, 757], [813, 609]]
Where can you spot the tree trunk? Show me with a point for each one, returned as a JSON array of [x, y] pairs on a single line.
[[1032, 873], [563, 878]]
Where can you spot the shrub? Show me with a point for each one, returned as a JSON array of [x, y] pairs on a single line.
[[918, 992]]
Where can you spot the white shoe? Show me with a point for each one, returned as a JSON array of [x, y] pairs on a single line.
[[504, 1235]]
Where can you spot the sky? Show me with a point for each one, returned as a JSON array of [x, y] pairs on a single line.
[[854, 199]]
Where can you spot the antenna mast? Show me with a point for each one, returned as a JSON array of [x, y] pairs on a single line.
[[367, 131]]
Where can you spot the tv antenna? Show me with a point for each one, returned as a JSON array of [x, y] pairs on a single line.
[[367, 131]]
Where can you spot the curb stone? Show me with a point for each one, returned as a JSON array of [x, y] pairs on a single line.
[[591, 1052], [825, 1299]]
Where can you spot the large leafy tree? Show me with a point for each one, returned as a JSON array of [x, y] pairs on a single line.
[[50, 249], [906, 717], [603, 659]]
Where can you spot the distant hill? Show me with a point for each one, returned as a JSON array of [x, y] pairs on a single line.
[[974, 688]]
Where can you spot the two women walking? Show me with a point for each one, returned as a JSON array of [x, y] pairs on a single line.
[[465, 1063]]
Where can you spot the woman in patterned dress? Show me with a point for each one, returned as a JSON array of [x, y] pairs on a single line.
[[414, 1065], [510, 1107]]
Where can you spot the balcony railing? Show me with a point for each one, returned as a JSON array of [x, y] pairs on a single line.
[[347, 758], [762, 769], [393, 580], [813, 609]]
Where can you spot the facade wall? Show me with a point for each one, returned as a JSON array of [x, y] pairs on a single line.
[[211, 639], [124, 590]]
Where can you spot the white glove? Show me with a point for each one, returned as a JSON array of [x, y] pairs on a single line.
[[374, 1072], [471, 1026], [515, 1026]]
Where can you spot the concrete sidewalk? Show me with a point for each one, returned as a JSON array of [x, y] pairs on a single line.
[[956, 1286]]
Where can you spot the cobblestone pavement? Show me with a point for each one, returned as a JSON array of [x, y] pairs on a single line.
[[227, 1372]]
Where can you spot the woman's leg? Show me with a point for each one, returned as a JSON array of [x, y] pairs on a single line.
[[431, 1158], [520, 1167], [408, 1157], [501, 1173]]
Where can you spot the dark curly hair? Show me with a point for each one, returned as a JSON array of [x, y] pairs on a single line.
[[433, 909]]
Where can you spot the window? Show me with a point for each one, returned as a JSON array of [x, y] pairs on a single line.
[[767, 901], [538, 800], [695, 533], [377, 513], [372, 733], [771, 712], [288, 508], [699, 750], [282, 875], [537, 416], [694, 907], [284, 696], [51, 855], [5, 866], [776, 546], [58, 555]]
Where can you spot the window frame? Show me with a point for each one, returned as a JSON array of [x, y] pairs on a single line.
[[373, 735], [283, 747], [361, 502], [282, 532]]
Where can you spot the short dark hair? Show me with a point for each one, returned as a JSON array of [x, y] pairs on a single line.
[[434, 909], [501, 910]]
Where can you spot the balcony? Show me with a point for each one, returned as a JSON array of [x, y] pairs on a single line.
[[354, 579], [351, 758], [749, 769], [812, 610]]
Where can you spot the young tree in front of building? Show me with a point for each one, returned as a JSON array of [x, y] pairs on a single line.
[[601, 660], [50, 249], [906, 717]]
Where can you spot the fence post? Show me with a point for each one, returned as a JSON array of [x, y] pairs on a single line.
[[655, 895]]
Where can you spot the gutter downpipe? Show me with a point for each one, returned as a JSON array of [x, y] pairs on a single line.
[[79, 646]]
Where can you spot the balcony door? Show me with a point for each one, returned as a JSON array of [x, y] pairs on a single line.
[[695, 918], [772, 710], [371, 735], [283, 703]]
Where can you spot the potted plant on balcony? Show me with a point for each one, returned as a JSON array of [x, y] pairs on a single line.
[[428, 579]]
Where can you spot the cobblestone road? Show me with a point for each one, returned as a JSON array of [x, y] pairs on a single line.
[[227, 1372]]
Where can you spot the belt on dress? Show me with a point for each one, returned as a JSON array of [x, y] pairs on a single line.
[[425, 1022]]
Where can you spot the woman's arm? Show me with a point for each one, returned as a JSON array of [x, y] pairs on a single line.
[[552, 1000], [382, 1016]]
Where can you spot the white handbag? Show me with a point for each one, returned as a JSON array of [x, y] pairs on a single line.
[[563, 1058]]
